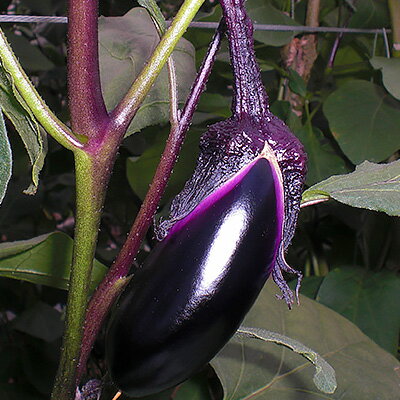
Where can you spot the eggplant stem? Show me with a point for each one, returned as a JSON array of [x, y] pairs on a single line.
[[249, 96]]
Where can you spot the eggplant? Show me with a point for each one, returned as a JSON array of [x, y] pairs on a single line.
[[197, 284], [226, 233]]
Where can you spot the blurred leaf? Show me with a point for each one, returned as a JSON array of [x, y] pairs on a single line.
[[369, 299], [322, 159], [32, 135], [324, 377], [5, 158], [364, 120], [349, 59], [41, 321], [297, 83], [266, 371], [215, 104], [140, 170], [126, 44], [30, 57], [390, 68], [283, 110], [44, 260], [370, 14], [262, 12], [372, 186]]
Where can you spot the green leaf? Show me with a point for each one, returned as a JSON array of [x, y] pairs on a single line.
[[41, 321], [390, 68], [262, 12], [215, 105], [266, 371], [5, 158], [297, 83], [372, 186], [126, 43], [32, 135], [364, 120], [322, 158], [369, 299], [44, 260], [140, 170], [324, 377]]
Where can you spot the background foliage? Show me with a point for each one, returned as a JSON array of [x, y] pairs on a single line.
[[349, 112]]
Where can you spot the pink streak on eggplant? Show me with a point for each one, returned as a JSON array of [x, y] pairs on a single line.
[[197, 285]]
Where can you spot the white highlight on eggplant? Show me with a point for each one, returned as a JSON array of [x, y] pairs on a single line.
[[222, 250]]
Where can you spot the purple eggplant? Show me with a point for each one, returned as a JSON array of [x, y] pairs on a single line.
[[197, 284], [226, 234]]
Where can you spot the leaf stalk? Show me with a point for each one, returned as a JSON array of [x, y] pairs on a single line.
[[53, 126]]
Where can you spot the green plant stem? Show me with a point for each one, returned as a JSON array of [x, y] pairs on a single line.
[[394, 7], [40, 110], [91, 174], [123, 113]]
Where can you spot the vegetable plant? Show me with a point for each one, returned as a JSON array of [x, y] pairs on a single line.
[[316, 91]]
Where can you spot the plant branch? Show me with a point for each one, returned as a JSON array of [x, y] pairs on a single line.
[[98, 308], [394, 8], [92, 176], [86, 103], [36, 104], [312, 17], [127, 108]]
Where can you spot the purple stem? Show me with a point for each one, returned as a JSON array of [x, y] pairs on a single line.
[[334, 50], [250, 96], [336, 43], [86, 104], [98, 308]]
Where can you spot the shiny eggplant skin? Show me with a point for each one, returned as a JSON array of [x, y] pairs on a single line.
[[197, 285]]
